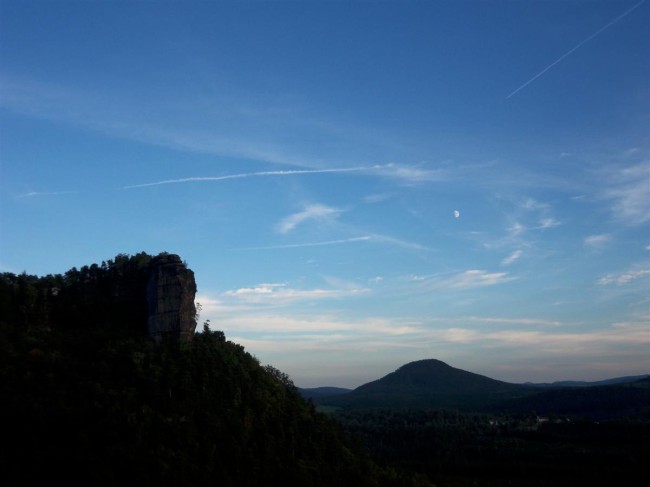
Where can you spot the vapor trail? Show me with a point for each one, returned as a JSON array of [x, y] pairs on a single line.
[[312, 244], [582, 43], [45, 193], [246, 175]]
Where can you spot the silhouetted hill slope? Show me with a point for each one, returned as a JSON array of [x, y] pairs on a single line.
[[434, 384], [87, 398], [429, 384]]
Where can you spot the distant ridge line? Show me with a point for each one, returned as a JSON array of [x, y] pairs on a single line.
[[431, 383]]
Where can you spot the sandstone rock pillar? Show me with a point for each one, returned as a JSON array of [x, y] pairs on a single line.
[[171, 289]]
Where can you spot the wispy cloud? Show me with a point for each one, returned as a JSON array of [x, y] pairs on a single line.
[[377, 198], [312, 244], [459, 335], [511, 321], [352, 343], [516, 229], [255, 133], [387, 239], [311, 212], [511, 258], [415, 278], [371, 238], [533, 204], [273, 334], [571, 342], [241, 133], [548, 223], [629, 191], [578, 46], [315, 331], [539, 342], [46, 193], [473, 279], [391, 171], [282, 294], [624, 277], [318, 332], [596, 241], [410, 173]]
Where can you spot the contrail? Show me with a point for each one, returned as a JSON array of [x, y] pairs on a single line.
[[312, 244], [247, 175], [45, 193], [627, 12]]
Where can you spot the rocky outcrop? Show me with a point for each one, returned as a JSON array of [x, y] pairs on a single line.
[[171, 289]]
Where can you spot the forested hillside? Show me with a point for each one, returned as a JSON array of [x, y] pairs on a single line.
[[463, 429], [88, 397]]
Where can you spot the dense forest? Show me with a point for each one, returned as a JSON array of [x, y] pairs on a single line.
[[462, 449], [88, 398], [462, 429]]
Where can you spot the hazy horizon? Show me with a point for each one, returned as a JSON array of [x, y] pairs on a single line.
[[356, 185], [352, 387]]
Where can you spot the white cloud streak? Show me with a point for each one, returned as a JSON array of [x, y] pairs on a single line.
[[532, 204], [472, 279], [258, 174], [511, 321], [409, 173], [32, 194], [623, 278], [311, 212], [332, 344], [312, 244], [516, 229], [578, 46], [399, 242], [630, 194], [373, 238], [406, 173], [317, 328], [282, 333], [94, 112], [596, 241], [281, 294], [548, 223], [511, 258]]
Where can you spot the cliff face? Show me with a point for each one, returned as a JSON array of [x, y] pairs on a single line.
[[170, 297]]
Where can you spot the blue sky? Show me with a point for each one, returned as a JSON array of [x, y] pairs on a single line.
[[356, 185]]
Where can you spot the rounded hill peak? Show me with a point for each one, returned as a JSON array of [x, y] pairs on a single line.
[[430, 365], [428, 383]]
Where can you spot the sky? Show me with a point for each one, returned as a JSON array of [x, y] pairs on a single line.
[[356, 185]]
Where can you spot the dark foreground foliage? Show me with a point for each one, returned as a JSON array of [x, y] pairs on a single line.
[[458, 449], [203, 413], [88, 399]]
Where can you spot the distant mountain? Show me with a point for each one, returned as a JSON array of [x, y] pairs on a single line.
[[312, 393], [434, 384], [577, 383], [429, 384]]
